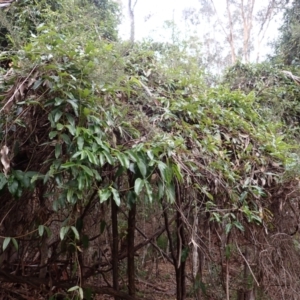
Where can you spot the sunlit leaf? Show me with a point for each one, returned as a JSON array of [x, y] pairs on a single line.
[[63, 231], [116, 196], [104, 194], [142, 167], [41, 230], [6, 243], [149, 191], [76, 234], [138, 185]]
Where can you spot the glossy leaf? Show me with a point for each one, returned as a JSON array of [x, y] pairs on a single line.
[[116, 196], [138, 185], [104, 194], [6, 243]]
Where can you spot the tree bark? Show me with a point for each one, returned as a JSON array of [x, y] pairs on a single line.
[[130, 253], [247, 16], [115, 246], [180, 263], [230, 36], [132, 19]]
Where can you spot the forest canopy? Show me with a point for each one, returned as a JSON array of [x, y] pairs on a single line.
[[114, 152]]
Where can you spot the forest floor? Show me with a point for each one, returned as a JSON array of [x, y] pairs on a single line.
[[155, 280]]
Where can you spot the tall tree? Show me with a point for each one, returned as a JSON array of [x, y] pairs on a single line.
[[288, 45], [244, 24], [131, 7]]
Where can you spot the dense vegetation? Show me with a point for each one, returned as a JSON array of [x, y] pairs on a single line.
[[108, 147]]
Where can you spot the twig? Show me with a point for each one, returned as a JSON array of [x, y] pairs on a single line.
[[17, 90], [247, 263]]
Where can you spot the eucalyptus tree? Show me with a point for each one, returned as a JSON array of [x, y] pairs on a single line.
[[243, 24], [288, 45]]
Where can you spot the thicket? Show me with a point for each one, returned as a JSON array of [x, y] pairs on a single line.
[[99, 137]]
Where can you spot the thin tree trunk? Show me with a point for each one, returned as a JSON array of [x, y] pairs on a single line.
[[230, 36], [247, 16], [115, 245], [200, 272], [227, 279], [130, 254], [180, 267], [264, 26], [195, 266], [132, 20]]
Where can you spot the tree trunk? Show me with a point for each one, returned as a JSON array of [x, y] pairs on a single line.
[[115, 246], [247, 16], [132, 19], [130, 253], [180, 266], [230, 36]]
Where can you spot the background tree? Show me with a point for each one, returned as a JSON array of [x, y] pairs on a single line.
[[244, 24], [287, 47], [131, 7]]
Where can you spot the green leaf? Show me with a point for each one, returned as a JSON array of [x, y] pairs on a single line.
[[123, 159], [68, 165], [104, 194], [71, 120], [142, 167], [162, 167], [41, 230], [48, 231], [87, 170], [15, 243], [88, 293], [138, 185], [228, 228], [72, 129], [70, 194], [59, 126], [52, 134], [109, 158], [81, 293], [97, 175], [3, 181], [63, 231], [91, 157], [133, 156], [238, 225], [150, 154], [80, 142], [149, 191], [170, 192], [13, 187], [66, 138], [73, 288], [101, 159], [74, 105], [116, 196], [58, 150], [76, 234], [161, 190], [177, 172], [6, 243], [58, 116]]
